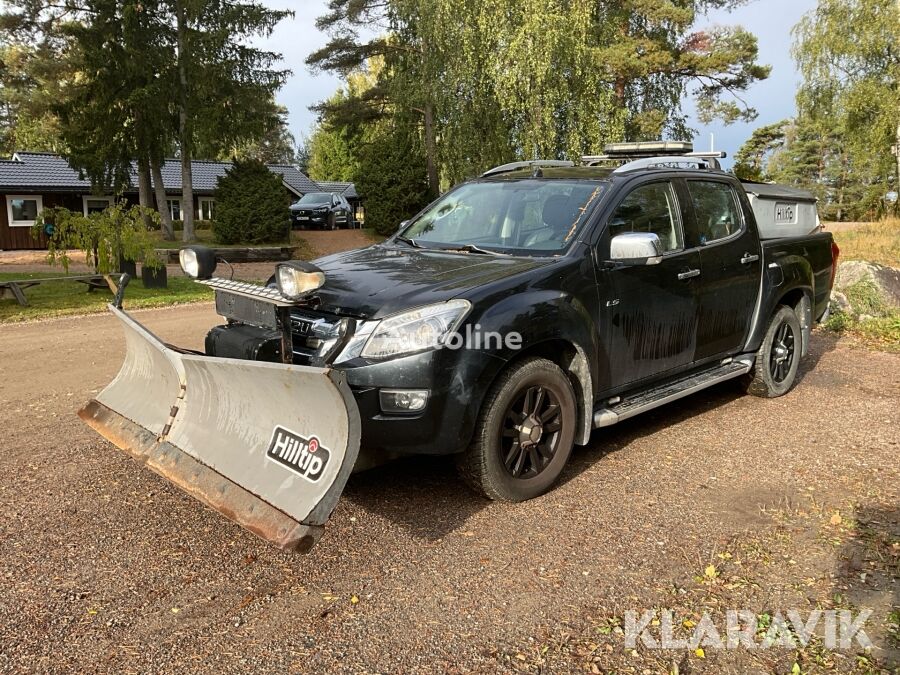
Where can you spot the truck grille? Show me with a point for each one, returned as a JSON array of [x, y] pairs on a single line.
[[315, 339]]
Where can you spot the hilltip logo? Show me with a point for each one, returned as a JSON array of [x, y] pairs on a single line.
[[303, 456], [745, 629]]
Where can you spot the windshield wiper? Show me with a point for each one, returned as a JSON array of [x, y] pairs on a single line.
[[409, 240], [472, 248]]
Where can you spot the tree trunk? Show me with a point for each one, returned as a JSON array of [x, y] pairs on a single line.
[[619, 89], [431, 151], [621, 107], [161, 205], [144, 189], [184, 127]]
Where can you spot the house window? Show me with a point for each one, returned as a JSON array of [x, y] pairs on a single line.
[[23, 210], [94, 204], [174, 208], [207, 208]]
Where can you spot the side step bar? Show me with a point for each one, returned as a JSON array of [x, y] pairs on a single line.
[[668, 392]]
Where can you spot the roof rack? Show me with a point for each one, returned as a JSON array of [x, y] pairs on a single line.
[[656, 154], [515, 166], [690, 161]]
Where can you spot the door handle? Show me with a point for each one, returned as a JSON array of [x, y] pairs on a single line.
[[749, 258], [688, 275]]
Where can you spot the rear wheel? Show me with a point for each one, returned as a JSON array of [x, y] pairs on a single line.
[[778, 358], [524, 434]]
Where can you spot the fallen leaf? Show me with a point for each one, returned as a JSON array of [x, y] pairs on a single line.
[[354, 600], [699, 652], [175, 610]]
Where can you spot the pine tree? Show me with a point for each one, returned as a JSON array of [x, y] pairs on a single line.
[[251, 205]]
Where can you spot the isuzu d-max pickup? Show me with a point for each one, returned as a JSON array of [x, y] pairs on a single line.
[[502, 324]]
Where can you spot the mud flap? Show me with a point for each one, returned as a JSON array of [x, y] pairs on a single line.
[[268, 445]]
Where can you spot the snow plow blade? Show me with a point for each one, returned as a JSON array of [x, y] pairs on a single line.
[[268, 445]]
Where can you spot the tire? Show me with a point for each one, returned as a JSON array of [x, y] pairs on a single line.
[[778, 358], [483, 465]]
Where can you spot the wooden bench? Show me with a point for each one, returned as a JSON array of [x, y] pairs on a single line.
[[17, 286]]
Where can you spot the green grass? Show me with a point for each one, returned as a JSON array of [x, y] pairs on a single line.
[[62, 298], [880, 328]]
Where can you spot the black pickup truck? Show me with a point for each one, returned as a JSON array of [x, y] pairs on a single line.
[[503, 323]]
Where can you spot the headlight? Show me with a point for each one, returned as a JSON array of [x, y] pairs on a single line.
[[415, 331], [198, 262], [296, 278]]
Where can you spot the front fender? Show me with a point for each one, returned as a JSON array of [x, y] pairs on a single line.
[[549, 317]]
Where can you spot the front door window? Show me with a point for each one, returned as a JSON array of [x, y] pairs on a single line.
[[650, 208]]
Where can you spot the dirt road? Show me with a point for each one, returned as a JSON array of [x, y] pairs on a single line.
[[721, 501]]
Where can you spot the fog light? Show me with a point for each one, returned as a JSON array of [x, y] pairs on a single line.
[[297, 277], [198, 262], [403, 400]]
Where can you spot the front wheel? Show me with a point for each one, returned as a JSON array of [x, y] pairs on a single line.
[[524, 434], [778, 358]]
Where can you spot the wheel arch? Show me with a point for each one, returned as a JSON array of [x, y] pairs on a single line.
[[573, 361], [798, 297]]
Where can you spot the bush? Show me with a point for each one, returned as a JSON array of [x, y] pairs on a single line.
[[393, 180], [251, 205], [118, 232]]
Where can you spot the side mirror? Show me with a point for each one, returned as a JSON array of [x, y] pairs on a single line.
[[636, 248]]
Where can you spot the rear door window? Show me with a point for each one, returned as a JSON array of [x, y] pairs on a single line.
[[716, 209]]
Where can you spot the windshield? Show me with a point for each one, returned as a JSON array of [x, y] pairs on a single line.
[[315, 198], [521, 216]]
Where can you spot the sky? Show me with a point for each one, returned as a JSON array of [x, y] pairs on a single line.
[[770, 20]]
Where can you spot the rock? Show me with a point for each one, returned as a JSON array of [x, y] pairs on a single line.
[[885, 279], [840, 303]]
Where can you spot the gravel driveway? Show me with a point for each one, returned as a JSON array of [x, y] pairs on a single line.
[[105, 567]]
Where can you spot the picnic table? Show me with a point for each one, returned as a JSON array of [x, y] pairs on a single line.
[[93, 281]]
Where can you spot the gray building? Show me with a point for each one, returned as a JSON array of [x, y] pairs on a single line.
[[32, 181]]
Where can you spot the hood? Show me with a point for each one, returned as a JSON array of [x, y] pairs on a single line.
[[380, 280]]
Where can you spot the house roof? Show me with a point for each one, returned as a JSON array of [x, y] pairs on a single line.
[[39, 171], [48, 172], [348, 190], [295, 178]]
